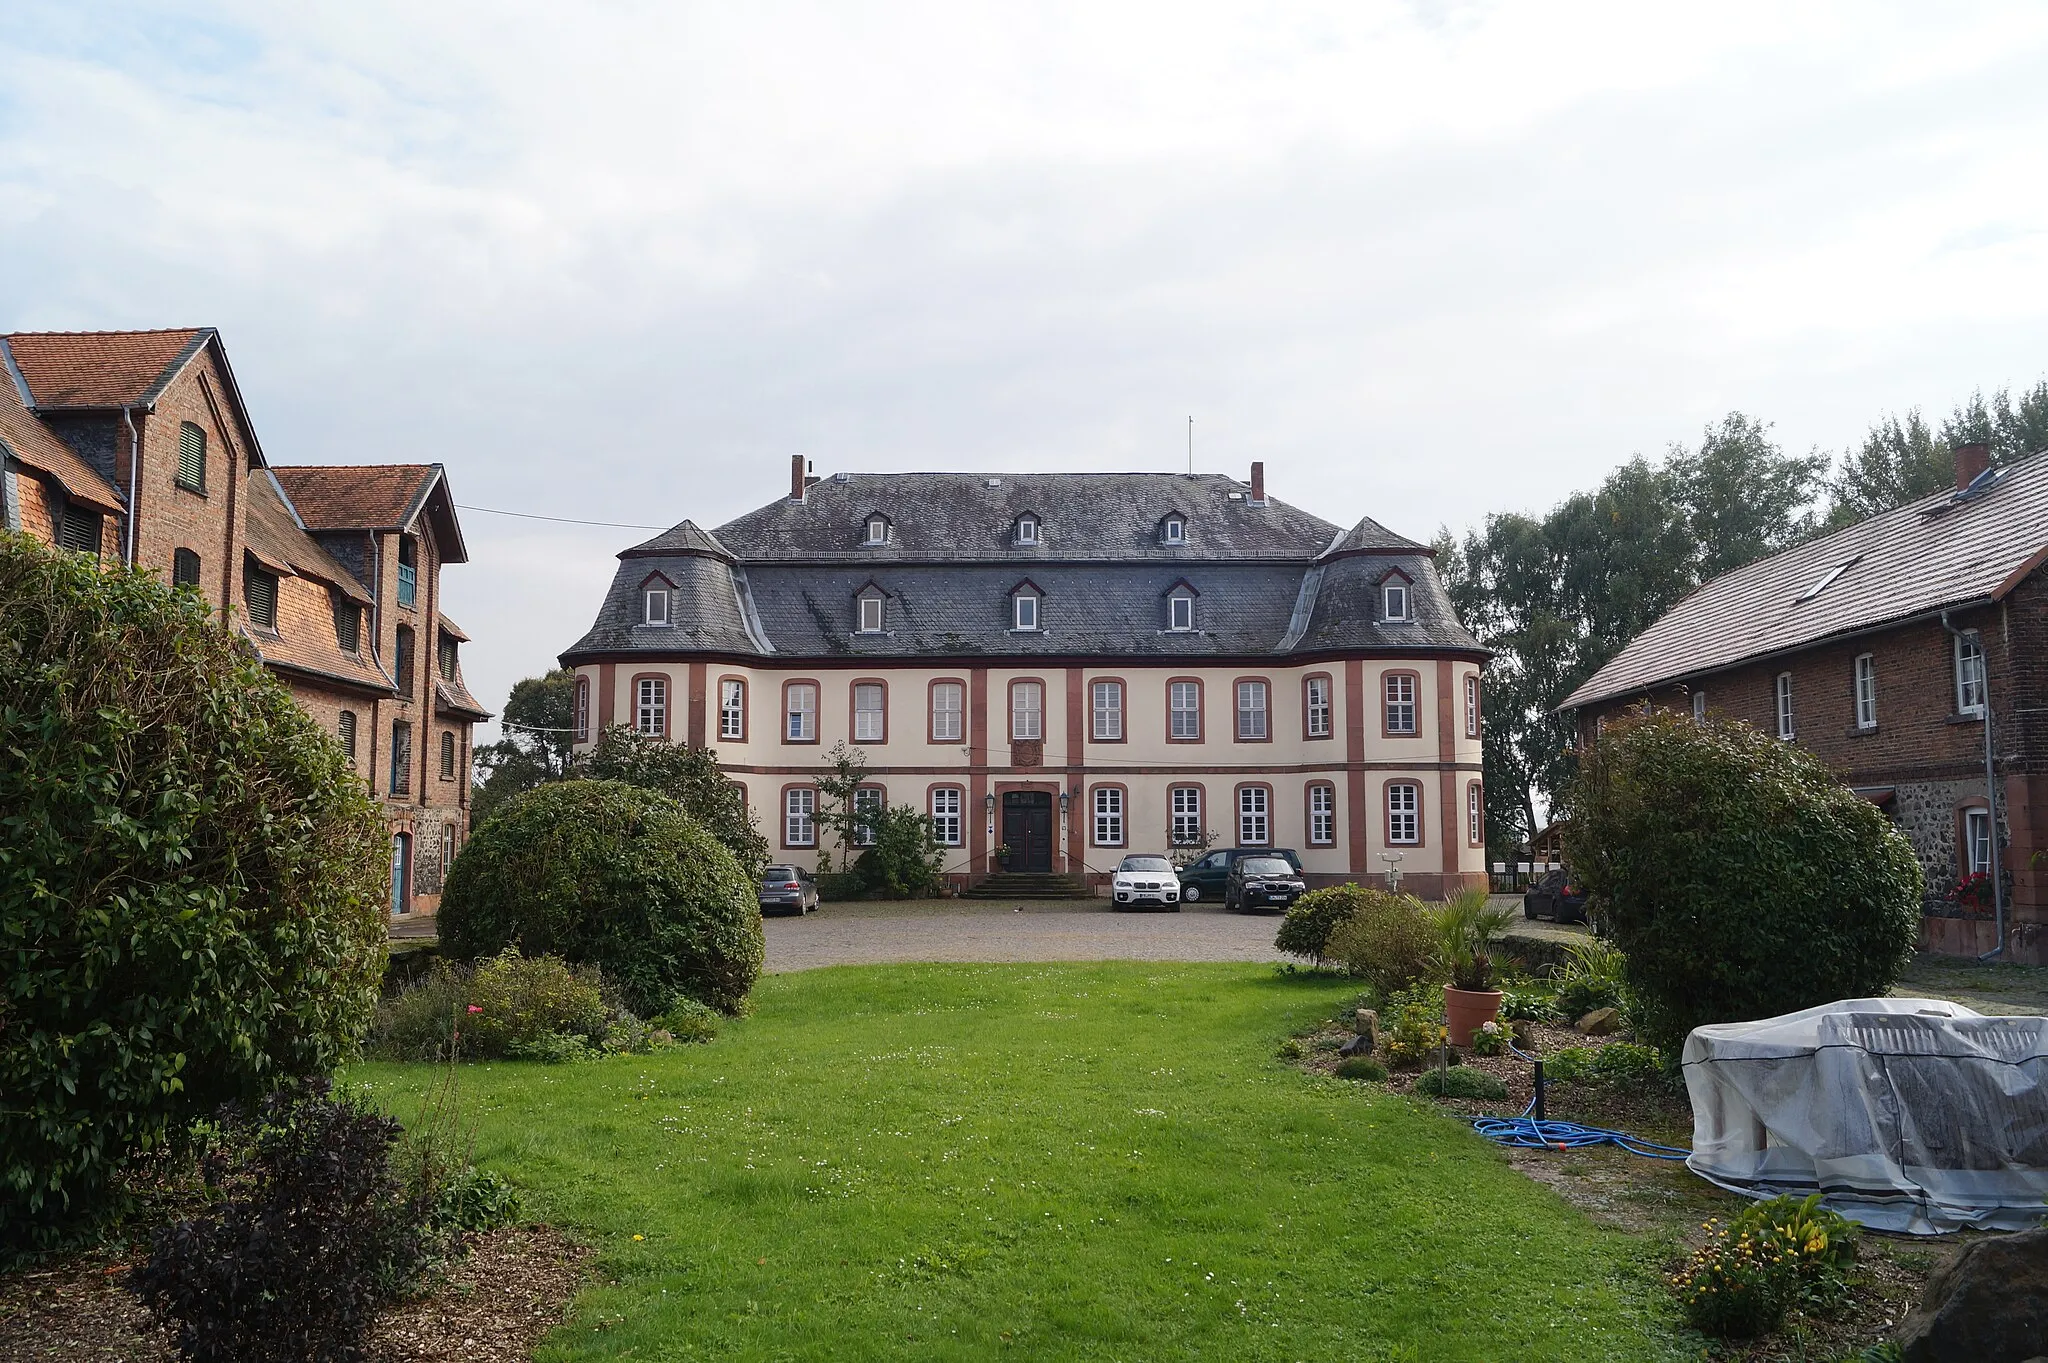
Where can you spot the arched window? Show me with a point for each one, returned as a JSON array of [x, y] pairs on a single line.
[[583, 709], [191, 457], [401, 656], [447, 756], [346, 728]]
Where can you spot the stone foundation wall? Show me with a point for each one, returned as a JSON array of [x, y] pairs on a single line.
[[1926, 812]]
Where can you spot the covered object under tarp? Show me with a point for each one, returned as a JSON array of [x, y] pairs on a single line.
[[1912, 1115]]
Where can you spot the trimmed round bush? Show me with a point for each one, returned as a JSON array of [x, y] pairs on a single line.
[[1362, 1067], [616, 876], [1388, 940], [1740, 878], [1306, 929], [192, 880]]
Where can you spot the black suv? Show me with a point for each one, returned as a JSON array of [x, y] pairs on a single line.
[[1263, 880], [1205, 879]]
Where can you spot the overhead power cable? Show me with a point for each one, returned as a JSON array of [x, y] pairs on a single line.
[[561, 520]]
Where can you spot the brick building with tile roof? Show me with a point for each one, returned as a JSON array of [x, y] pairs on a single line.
[[1884, 647], [1073, 666], [136, 447]]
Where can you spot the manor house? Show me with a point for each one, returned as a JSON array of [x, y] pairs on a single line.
[[1064, 668]]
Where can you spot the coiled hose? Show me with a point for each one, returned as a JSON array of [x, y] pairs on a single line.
[[1534, 1131]]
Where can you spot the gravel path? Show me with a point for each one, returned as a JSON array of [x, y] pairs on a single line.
[[1040, 930]]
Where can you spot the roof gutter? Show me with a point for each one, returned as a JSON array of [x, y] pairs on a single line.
[[1990, 794]]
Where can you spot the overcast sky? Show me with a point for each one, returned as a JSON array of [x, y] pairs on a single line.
[[619, 261]]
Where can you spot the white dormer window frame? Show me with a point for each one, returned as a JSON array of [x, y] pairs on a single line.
[[1026, 529], [871, 611], [1180, 613], [654, 605], [1025, 615], [877, 531], [1173, 530], [1395, 600]]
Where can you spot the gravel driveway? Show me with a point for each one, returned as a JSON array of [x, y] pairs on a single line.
[[1023, 930]]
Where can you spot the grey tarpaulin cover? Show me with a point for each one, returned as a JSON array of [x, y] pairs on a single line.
[[1912, 1115]]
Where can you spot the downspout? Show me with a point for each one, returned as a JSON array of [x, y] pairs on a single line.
[[1990, 797], [134, 492]]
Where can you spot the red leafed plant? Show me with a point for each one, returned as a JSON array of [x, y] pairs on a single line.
[[1972, 892]]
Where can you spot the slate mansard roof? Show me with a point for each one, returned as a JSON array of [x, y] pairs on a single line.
[[782, 582], [1942, 552]]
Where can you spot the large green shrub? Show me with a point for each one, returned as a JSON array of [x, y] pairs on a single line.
[[1306, 929], [1387, 940], [689, 776], [611, 875], [906, 859], [191, 880], [1739, 877]]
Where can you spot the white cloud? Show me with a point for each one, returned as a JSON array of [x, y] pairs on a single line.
[[618, 260]]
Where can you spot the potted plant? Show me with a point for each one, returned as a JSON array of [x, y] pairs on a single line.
[[1466, 929], [1002, 855]]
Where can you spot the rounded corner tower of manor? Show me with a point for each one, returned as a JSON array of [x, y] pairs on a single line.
[[1062, 669]]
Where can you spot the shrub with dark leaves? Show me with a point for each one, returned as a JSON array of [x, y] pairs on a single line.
[[314, 1232]]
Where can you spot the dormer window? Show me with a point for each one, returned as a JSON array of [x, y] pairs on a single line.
[[1173, 530], [871, 611], [1024, 604], [1027, 530], [1394, 600], [654, 604], [878, 530], [1180, 607]]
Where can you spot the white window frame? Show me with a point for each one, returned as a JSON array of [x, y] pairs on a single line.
[[732, 708], [1106, 704], [1471, 705], [1173, 531], [1322, 815], [1788, 720], [650, 707], [1399, 688], [1177, 713], [1475, 814], [947, 822], [800, 712], [1254, 817], [582, 720], [1699, 704], [947, 725], [1109, 816], [1027, 530], [1253, 711], [654, 606], [1316, 705], [1977, 840], [1404, 814], [1969, 668], [1866, 691], [799, 817], [1180, 612], [1024, 613], [871, 609], [1184, 813], [877, 531], [1027, 711], [866, 800], [870, 722], [1394, 600]]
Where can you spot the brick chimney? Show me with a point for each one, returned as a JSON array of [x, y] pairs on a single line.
[[796, 477], [1258, 482], [1971, 460]]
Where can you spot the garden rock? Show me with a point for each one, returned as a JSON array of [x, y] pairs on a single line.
[[1357, 1045], [1367, 1024], [1600, 1022], [1524, 1033], [1989, 1304]]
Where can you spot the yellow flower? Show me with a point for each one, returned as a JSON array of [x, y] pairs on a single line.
[[639, 1237]]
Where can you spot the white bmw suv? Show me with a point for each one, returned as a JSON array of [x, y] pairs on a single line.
[[1145, 880]]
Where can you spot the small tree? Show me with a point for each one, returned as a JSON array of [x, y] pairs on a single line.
[[906, 859], [538, 746], [689, 776], [613, 875], [837, 795], [1739, 877], [191, 879]]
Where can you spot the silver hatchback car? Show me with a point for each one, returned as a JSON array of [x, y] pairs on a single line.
[[788, 889]]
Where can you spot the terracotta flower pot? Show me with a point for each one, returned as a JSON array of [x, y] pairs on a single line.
[[1467, 1010]]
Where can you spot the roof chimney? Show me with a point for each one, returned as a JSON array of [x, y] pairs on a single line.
[[1971, 460], [1258, 482], [798, 466]]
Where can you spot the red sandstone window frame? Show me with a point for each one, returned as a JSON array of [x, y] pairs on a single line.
[[1418, 811], [1123, 710], [816, 711], [931, 711], [1122, 814], [810, 815], [853, 711], [879, 800], [1472, 702], [1308, 811], [1010, 694], [958, 814], [1238, 812], [667, 703], [745, 710], [1238, 711], [1387, 703], [1201, 814], [1308, 708], [582, 720], [1475, 814], [1200, 711]]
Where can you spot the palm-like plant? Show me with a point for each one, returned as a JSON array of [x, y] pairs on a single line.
[[1466, 929]]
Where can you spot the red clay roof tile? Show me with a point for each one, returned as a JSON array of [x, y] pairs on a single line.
[[355, 496], [102, 368]]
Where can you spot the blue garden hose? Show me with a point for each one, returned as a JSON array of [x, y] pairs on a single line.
[[1533, 1131]]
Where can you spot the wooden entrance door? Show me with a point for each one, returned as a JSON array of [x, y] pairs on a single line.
[[1027, 829]]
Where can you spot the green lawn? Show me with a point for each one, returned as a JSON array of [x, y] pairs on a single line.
[[1096, 1161]]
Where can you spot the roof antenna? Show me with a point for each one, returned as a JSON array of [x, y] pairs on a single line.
[[1191, 447]]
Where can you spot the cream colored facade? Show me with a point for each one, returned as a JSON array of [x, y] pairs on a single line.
[[1367, 771]]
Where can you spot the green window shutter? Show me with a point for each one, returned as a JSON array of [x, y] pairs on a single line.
[[259, 593], [80, 530], [191, 457]]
